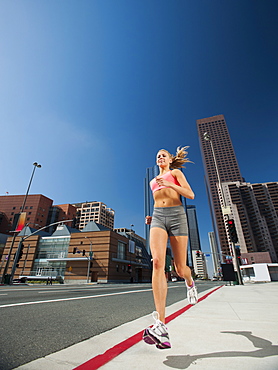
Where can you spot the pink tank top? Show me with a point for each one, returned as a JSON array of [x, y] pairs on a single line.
[[168, 177]]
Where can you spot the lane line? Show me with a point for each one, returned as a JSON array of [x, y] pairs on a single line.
[[100, 360], [53, 291], [71, 299], [77, 298]]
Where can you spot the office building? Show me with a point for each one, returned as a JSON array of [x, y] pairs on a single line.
[[193, 233], [199, 264], [193, 228], [214, 254], [36, 208], [254, 208], [151, 172], [5, 226], [94, 211], [228, 170], [61, 212]]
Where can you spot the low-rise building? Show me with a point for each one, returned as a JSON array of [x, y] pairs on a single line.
[[95, 254], [260, 272]]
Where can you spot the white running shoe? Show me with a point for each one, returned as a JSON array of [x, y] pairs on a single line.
[[157, 334], [192, 294]]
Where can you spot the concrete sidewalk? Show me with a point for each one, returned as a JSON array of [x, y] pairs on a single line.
[[234, 328]]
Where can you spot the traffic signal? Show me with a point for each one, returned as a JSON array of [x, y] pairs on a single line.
[[198, 253], [129, 269], [232, 231], [238, 254]]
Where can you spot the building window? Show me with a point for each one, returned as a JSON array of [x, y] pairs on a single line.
[[121, 250]]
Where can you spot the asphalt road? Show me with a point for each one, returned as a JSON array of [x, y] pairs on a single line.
[[39, 320]]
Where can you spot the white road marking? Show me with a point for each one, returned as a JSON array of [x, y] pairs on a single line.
[[76, 298], [54, 291]]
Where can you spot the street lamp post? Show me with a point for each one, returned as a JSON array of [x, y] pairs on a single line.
[[90, 258], [207, 137], [36, 165]]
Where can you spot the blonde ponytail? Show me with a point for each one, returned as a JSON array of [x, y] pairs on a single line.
[[180, 158]]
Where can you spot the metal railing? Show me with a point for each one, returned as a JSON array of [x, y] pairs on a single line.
[[41, 274]]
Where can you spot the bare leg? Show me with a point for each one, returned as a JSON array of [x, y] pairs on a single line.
[[179, 248], [158, 243]]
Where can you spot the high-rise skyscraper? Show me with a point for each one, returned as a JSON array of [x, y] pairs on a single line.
[[151, 172], [227, 165], [193, 236], [214, 253], [254, 208], [193, 228]]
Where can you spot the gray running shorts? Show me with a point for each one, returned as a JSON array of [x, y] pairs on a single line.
[[171, 219]]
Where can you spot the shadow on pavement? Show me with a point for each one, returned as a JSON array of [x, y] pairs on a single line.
[[266, 349]]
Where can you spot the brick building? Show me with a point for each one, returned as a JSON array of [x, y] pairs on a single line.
[[36, 207], [39, 209], [65, 255]]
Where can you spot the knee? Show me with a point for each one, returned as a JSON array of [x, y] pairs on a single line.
[[182, 270], [158, 263]]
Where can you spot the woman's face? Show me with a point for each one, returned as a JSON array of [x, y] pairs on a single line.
[[163, 159]]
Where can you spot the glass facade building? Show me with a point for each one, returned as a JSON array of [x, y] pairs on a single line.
[[51, 248]]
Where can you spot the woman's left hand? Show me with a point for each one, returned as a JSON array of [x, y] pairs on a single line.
[[162, 182]]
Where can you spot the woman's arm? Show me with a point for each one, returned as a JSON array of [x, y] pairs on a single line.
[[184, 189], [148, 220]]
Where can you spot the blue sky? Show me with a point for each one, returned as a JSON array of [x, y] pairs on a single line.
[[91, 89]]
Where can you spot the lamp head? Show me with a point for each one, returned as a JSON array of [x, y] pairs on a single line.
[[207, 136], [36, 164]]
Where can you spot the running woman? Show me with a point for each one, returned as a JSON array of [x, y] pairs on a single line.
[[168, 221]]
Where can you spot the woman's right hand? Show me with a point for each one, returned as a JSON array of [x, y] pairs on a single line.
[[148, 220]]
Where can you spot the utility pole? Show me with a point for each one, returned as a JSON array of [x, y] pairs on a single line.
[[90, 258], [36, 165], [225, 210]]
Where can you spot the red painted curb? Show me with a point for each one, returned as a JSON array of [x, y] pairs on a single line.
[[100, 360]]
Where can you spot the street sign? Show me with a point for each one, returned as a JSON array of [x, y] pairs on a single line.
[[226, 210]]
